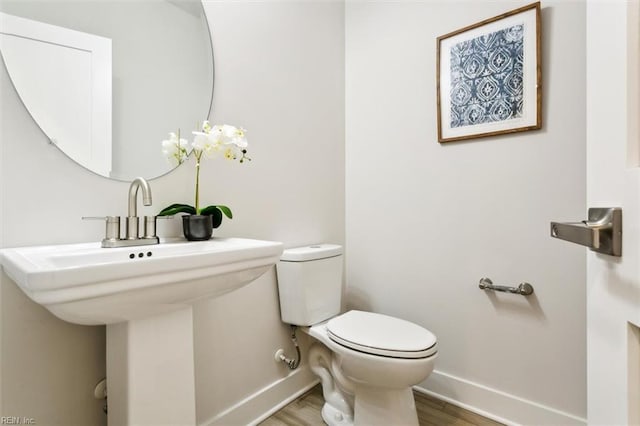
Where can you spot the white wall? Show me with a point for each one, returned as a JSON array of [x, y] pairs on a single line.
[[613, 284], [279, 74], [424, 221]]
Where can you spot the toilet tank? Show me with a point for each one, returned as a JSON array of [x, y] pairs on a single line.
[[310, 283]]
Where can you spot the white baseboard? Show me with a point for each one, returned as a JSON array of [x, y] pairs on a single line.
[[266, 401], [513, 410]]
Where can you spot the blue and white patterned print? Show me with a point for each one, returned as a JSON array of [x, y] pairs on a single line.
[[486, 78]]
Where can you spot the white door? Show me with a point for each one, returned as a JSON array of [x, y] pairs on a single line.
[[64, 79], [613, 180]]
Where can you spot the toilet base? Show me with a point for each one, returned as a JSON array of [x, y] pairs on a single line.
[[376, 408], [383, 407], [335, 417]]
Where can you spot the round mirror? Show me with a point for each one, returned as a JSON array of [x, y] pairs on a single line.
[[108, 80]]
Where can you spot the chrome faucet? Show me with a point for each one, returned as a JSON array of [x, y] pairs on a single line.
[[132, 216], [132, 236], [133, 195]]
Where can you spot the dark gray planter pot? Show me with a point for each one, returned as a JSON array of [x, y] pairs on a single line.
[[197, 227]]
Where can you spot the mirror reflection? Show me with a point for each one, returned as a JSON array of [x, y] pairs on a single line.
[[108, 80]]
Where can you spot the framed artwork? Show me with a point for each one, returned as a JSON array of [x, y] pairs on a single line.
[[489, 77]]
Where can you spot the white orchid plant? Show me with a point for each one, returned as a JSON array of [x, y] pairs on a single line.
[[212, 141]]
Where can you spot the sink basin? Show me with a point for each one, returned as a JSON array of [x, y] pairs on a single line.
[[87, 284], [144, 295]]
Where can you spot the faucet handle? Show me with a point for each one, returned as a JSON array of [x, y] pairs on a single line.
[[112, 226], [131, 227], [150, 226]]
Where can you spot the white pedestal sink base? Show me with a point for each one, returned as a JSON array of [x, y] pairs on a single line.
[[150, 371], [144, 297]]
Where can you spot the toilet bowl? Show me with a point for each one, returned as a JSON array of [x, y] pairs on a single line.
[[367, 362], [377, 374]]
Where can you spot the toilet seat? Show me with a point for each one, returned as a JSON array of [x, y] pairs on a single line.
[[382, 335]]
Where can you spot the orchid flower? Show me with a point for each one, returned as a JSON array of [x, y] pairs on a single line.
[[228, 141], [175, 148]]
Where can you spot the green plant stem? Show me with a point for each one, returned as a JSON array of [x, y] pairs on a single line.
[[197, 205]]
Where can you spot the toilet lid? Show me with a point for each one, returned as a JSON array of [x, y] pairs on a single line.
[[379, 334]]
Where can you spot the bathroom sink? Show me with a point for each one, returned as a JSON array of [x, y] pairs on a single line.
[[87, 284]]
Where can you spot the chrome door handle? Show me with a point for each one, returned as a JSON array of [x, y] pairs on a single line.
[[601, 232]]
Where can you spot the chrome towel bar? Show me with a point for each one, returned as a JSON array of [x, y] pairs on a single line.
[[524, 289]]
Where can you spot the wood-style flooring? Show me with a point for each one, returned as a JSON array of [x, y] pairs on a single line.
[[305, 411]]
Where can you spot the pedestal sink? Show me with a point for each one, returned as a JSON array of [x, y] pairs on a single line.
[[144, 295]]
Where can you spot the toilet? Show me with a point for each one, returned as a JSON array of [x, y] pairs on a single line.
[[366, 362]]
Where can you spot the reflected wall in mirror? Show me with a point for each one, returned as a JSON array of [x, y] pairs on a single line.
[[108, 80]]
